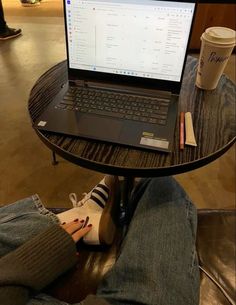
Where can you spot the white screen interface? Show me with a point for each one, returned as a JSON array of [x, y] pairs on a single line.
[[129, 37]]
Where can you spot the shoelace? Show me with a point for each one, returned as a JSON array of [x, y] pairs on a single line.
[[96, 195], [75, 202]]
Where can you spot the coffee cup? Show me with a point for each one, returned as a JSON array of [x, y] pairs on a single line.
[[217, 44]]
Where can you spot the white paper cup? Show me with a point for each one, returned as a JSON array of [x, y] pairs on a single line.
[[217, 44]]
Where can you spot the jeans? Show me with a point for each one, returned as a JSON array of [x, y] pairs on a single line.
[[157, 264], [2, 20]]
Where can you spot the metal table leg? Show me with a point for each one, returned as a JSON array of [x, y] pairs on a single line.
[[54, 158], [126, 189]]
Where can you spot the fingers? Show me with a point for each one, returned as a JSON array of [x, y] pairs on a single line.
[[81, 233], [73, 226], [77, 229], [68, 224]]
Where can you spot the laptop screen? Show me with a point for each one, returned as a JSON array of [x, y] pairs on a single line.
[[140, 38]]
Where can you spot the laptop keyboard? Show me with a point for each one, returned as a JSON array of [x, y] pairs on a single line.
[[117, 105]]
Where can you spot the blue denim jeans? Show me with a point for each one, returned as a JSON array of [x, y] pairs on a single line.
[[157, 264]]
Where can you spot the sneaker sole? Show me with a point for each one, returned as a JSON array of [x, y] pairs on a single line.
[[9, 37], [107, 226]]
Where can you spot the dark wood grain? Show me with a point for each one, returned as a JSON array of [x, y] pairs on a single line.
[[213, 119]]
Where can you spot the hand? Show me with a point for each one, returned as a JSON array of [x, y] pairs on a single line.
[[76, 230]]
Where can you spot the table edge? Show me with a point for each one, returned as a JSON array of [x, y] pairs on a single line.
[[134, 172]]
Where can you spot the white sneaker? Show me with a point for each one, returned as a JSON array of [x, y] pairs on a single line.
[[101, 205]]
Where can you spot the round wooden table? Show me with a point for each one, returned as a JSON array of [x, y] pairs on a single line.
[[213, 115]]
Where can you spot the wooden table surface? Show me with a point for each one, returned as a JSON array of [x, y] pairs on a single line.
[[213, 115]]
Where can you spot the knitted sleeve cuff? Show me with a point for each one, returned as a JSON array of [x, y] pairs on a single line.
[[12, 295], [39, 261], [93, 299]]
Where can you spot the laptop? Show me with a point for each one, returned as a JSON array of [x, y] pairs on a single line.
[[125, 67]]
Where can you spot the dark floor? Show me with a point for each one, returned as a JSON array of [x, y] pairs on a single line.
[[25, 163]]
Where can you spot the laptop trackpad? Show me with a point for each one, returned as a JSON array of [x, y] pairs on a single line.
[[102, 128]]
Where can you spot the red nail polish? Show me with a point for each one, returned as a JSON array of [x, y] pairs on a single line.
[[76, 220], [82, 221], [90, 225], [63, 223]]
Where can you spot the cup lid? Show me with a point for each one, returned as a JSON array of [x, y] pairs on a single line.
[[220, 35]]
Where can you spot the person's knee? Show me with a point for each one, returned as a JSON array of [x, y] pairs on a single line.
[[165, 192], [165, 189]]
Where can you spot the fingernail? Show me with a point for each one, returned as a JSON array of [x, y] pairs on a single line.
[[90, 225], [86, 221], [63, 223], [82, 221], [76, 220]]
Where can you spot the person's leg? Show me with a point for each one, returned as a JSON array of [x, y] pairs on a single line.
[[22, 220], [19, 222], [2, 19], [158, 263], [5, 31]]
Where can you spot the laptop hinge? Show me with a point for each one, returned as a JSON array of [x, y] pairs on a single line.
[[78, 82], [126, 89], [119, 88]]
